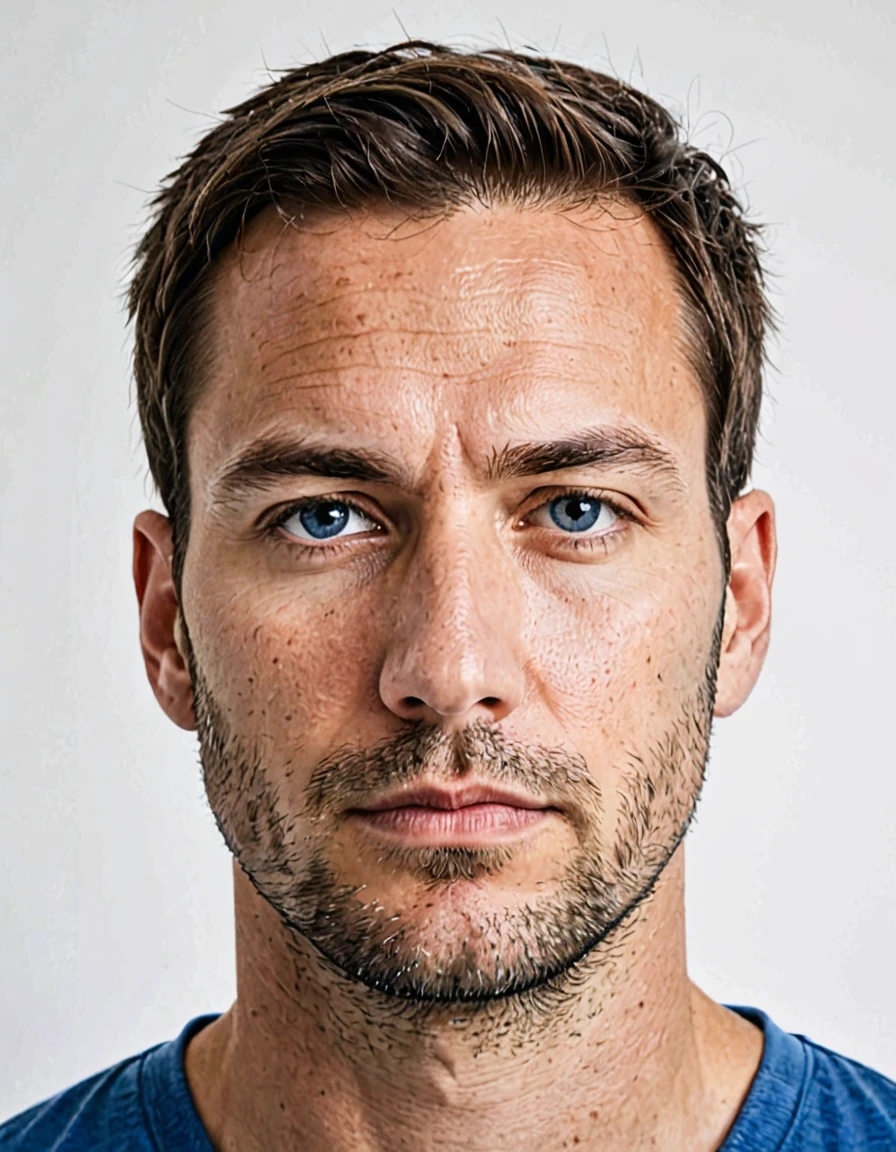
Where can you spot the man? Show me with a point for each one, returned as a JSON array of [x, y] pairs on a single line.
[[449, 372]]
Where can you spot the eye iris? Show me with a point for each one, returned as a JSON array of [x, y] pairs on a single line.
[[575, 513], [324, 520]]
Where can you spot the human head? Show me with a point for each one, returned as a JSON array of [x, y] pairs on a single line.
[[469, 643]]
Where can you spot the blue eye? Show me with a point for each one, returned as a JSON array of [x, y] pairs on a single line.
[[326, 519], [576, 512]]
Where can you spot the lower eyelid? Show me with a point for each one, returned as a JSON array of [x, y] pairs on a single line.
[[326, 542]]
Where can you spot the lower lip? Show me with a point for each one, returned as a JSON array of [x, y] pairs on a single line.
[[473, 824]]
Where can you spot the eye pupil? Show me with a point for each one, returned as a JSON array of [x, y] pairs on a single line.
[[325, 519], [575, 513]]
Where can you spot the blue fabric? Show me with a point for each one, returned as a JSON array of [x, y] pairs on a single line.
[[804, 1099], [140, 1105]]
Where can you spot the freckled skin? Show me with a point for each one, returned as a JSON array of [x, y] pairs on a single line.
[[462, 608]]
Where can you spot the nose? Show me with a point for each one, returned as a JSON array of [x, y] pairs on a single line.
[[454, 650]]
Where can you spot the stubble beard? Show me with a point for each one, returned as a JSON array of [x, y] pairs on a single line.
[[487, 955]]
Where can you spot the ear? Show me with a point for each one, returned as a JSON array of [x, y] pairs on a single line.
[[748, 599], [161, 628]]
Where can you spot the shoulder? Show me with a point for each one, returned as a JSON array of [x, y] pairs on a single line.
[[806, 1098], [848, 1097], [101, 1113], [135, 1104]]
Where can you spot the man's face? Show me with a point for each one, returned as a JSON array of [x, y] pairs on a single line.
[[452, 586]]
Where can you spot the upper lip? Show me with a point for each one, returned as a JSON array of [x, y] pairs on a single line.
[[450, 798]]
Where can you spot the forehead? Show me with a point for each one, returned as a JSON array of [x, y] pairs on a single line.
[[493, 323]]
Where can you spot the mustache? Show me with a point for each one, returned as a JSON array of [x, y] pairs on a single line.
[[347, 776]]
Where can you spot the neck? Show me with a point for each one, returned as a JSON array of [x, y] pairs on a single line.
[[623, 1052]]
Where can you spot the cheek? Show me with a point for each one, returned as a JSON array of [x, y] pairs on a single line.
[[289, 669], [613, 658]]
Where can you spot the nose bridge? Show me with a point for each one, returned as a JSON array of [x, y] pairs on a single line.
[[455, 642], [455, 580]]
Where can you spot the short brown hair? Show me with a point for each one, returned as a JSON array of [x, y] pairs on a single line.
[[429, 128]]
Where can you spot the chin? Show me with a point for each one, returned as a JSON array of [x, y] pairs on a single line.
[[450, 926]]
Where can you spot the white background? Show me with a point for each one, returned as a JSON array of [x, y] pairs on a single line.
[[115, 922]]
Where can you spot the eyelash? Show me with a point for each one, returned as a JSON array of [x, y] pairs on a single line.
[[572, 542], [273, 527]]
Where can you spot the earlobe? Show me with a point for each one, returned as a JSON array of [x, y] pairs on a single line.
[[747, 625], [161, 629]]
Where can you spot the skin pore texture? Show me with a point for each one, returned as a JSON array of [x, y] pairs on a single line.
[[493, 416]]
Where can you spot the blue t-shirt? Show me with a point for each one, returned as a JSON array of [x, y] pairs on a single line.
[[804, 1098]]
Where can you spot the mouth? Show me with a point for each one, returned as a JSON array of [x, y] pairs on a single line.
[[465, 817]]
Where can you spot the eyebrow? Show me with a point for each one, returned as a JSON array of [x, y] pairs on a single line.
[[270, 458], [621, 447]]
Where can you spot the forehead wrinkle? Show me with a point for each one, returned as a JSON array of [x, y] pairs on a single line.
[[457, 349], [302, 301], [485, 278], [336, 337], [515, 295], [505, 271], [344, 370]]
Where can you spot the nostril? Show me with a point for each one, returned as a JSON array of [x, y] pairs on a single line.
[[490, 701], [413, 702]]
